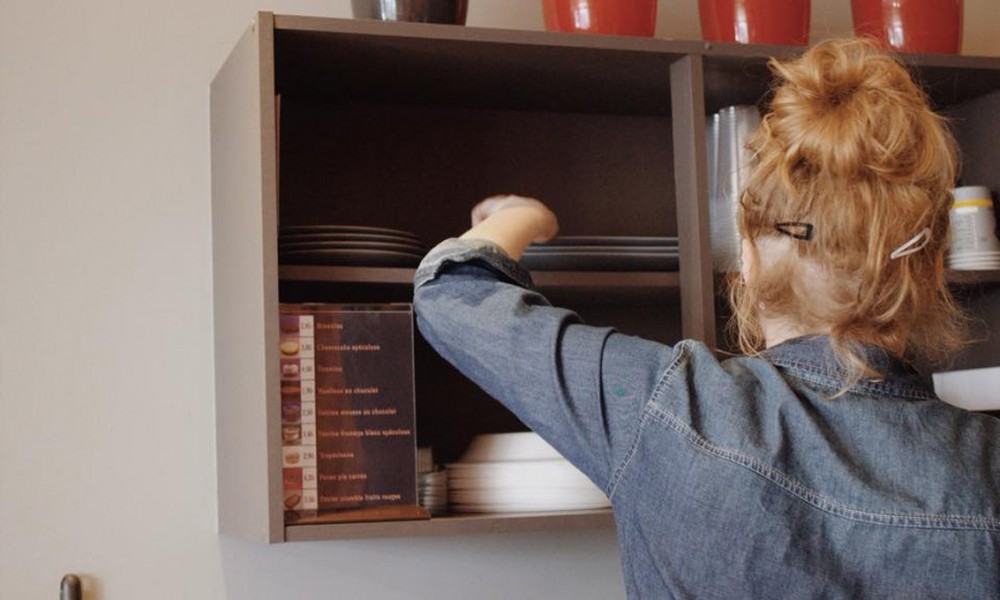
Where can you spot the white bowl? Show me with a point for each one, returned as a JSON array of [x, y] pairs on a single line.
[[499, 447], [971, 389], [531, 473]]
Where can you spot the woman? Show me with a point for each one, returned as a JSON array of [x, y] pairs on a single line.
[[818, 465]]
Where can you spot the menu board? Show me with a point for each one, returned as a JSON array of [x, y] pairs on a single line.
[[347, 407]]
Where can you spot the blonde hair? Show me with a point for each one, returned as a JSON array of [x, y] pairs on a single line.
[[851, 147]]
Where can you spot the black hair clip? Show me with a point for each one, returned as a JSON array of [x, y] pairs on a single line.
[[796, 229]]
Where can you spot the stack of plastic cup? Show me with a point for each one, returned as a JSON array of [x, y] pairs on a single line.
[[974, 242]]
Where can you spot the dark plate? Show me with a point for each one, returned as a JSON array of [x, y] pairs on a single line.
[[348, 237], [350, 258], [303, 229], [667, 250], [594, 261], [408, 248], [604, 241]]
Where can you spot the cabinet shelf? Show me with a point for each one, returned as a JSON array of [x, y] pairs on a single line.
[[972, 278], [455, 525], [564, 280]]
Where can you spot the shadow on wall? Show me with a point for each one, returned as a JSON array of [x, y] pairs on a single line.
[[575, 565]]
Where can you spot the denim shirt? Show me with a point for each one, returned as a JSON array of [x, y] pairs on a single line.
[[739, 478]]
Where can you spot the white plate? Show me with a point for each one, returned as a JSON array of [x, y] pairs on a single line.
[[966, 258], [974, 253], [497, 447], [528, 468], [955, 261], [573, 480], [971, 389], [974, 266], [973, 261], [527, 507], [527, 495], [530, 474]]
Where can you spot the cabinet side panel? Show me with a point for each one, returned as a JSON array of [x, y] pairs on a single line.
[[245, 293], [687, 92], [976, 124]]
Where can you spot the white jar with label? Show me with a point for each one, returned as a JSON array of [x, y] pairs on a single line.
[[974, 242]]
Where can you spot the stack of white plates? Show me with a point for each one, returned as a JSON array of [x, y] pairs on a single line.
[[603, 253], [349, 245], [432, 491], [974, 261], [518, 472], [432, 483]]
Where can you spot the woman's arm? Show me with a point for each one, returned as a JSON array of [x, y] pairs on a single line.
[[581, 388]]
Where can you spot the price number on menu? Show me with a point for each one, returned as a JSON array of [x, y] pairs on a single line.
[[308, 433], [306, 326], [308, 413], [307, 369], [309, 479]]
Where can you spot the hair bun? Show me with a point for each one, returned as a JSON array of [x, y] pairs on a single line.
[[851, 110]]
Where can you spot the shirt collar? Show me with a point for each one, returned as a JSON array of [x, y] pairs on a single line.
[[813, 358]]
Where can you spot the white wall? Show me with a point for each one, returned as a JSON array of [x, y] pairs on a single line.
[[106, 408]]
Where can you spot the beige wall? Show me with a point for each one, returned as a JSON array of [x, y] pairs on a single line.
[[106, 384]]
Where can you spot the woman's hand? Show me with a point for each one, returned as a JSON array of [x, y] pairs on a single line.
[[512, 222], [547, 224]]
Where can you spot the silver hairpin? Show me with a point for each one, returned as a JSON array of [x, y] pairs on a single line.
[[914, 244]]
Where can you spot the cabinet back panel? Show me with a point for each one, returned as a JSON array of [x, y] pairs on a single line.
[[982, 304], [422, 169], [976, 125]]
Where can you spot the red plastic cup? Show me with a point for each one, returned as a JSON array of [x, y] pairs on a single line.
[[911, 25], [610, 17], [782, 22]]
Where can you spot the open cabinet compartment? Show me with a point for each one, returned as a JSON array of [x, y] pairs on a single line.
[[408, 133]]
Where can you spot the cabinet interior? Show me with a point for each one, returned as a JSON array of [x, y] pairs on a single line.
[[593, 141]]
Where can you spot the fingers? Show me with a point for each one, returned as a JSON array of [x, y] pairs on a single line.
[[486, 208], [495, 204], [544, 224]]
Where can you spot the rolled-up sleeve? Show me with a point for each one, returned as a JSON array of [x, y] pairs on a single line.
[[581, 388]]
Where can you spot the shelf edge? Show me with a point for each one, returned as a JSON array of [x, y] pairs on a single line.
[[455, 525]]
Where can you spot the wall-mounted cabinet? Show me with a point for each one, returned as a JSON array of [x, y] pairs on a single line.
[[405, 126]]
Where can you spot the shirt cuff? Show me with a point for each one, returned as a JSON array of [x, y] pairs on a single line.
[[456, 251]]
